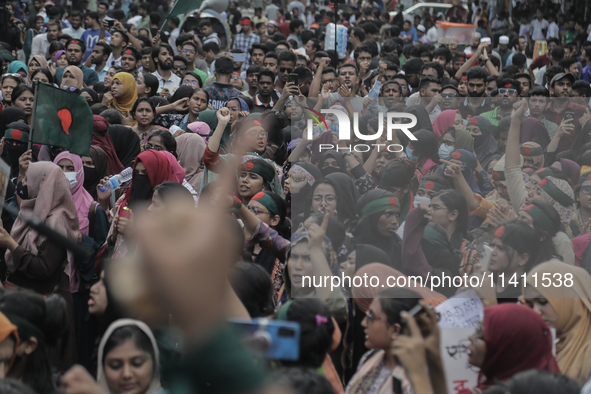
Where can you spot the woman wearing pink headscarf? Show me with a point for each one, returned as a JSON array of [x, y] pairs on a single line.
[[445, 120], [94, 227], [179, 173]]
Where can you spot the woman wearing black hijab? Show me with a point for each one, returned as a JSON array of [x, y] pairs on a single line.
[[94, 97], [95, 169], [126, 143], [331, 162], [346, 198], [9, 115]]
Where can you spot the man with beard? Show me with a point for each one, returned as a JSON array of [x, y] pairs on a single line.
[[162, 56], [130, 60], [509, 91], [180, 66], [98, 59], [263, 100], [525, 81], [222, 90], [537, 102], [562, 110], [391, 95], [475, 104], [41, 42], [449, 95], [75, 30], [74, 53], [412, 70], [271, 28]]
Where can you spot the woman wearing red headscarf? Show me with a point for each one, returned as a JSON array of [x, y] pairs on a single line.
[[103, 140], [513, 338], [150, 169]]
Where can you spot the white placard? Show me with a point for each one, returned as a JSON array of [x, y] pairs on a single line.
[[459, 374], [462, 310]]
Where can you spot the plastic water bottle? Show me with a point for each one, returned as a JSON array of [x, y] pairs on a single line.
[[117, 180]]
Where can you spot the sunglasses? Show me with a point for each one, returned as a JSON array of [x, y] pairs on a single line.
[[510, 91], [188, 51], [448, 95], [283, 69], [179, 67], [189, 83], [69, 88]]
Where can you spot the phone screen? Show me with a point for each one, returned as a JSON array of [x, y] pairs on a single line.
[[239, 57]]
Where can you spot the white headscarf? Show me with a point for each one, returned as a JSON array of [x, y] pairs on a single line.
[[155, 386]]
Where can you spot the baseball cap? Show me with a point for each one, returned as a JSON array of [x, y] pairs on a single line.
[[559, 76]]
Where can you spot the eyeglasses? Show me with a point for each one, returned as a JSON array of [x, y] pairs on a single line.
[[188, 51], [586, 190], [371, 317], [179, 67], [448, 95], [234, 109], [284, 69], [235, 76], [477, 335], [436, 208], [449, 143], [329, 198], [69, 88], [510, 91], [257, 210], [149, 146], [189, 83], [263, 134]]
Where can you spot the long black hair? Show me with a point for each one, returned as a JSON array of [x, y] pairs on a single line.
[[454, 201], [168, 140], [396, 300], [144, 100], [253, 286], [426, 145], [47, 315]]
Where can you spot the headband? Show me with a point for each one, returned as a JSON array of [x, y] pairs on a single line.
[[544, 172], [585, 177], [465, 158], [432, 185], [16, 135], [261, 169], [539, 217], [135, 54], [379, 205], [267, 201], [26, 329], [554, 192], [527, 151]]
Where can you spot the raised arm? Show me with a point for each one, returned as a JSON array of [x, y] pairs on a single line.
[[317, 81], [454, 171], [512, 152], [223, 115]]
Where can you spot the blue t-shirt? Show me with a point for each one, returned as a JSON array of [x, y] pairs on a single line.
[[90, 38]]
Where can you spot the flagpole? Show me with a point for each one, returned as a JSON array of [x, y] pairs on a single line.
[[166, 19], [36, 87]]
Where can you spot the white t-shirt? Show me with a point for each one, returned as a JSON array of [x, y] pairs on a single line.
[[553, 31], [537, 27]]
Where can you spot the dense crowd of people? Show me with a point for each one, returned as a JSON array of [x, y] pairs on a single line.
[[237, 185]]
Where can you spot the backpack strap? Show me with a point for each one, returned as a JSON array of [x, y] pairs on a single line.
[[91, 217]]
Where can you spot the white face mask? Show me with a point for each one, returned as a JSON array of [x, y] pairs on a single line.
[[71, 176], [418, 199]]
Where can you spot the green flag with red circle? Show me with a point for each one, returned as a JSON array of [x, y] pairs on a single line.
[[62, 118]]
